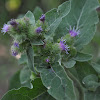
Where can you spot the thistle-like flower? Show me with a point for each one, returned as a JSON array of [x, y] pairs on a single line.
[[64, 46], [5, 28], [14, 53], [42, 18], [39, 30], [16, 44], [73, 32]]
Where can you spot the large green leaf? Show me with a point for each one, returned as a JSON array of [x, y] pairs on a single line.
[[25, 93], [96, 67], [25, 77], [82, 57], [83, 69], [58, 83], [30, 15], [51, 16], [84, 17], [37, 13], [15, 81], [54, 17], [30, 56], [45, 96], [69, 64], [62, 11], [37, 42], [91, 82], [23, 59], [53, 27], [92, 95], [15, 97]]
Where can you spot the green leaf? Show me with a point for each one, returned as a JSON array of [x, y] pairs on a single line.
[[58, 83], [37, 42], [25, 93], [45, 96], [91, 82], [69, 64], [92, 95], [30, 54], [14, 82], [84, 17], [64, 9], [83, 69], [23, 59], [33, 76], [15, 97], [51, 16], [20, 16], [96, 67], [54, 17], [82, 57], [74, 71], [53, 27], [30, 15], [25, 77], [37, 13]]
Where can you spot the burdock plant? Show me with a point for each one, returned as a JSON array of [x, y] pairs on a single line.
[[50, 49]]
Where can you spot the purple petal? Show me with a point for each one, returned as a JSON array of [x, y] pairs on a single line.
[[73, 32], [5, 28], [64, 46], [16, 44]]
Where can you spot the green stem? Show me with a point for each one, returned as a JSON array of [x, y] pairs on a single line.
[[76, 84]]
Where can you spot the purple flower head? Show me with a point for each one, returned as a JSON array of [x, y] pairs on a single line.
[[14, 53], [13, 23], [64, 46], [5, 28], [42, 18], [39, 30], [73, 32], [16, 44], [47, 60]]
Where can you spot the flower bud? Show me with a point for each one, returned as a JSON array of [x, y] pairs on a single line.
[[13, 23], [16, 44], [47, 60], [39, 30], [42, 18], [14, 53]]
